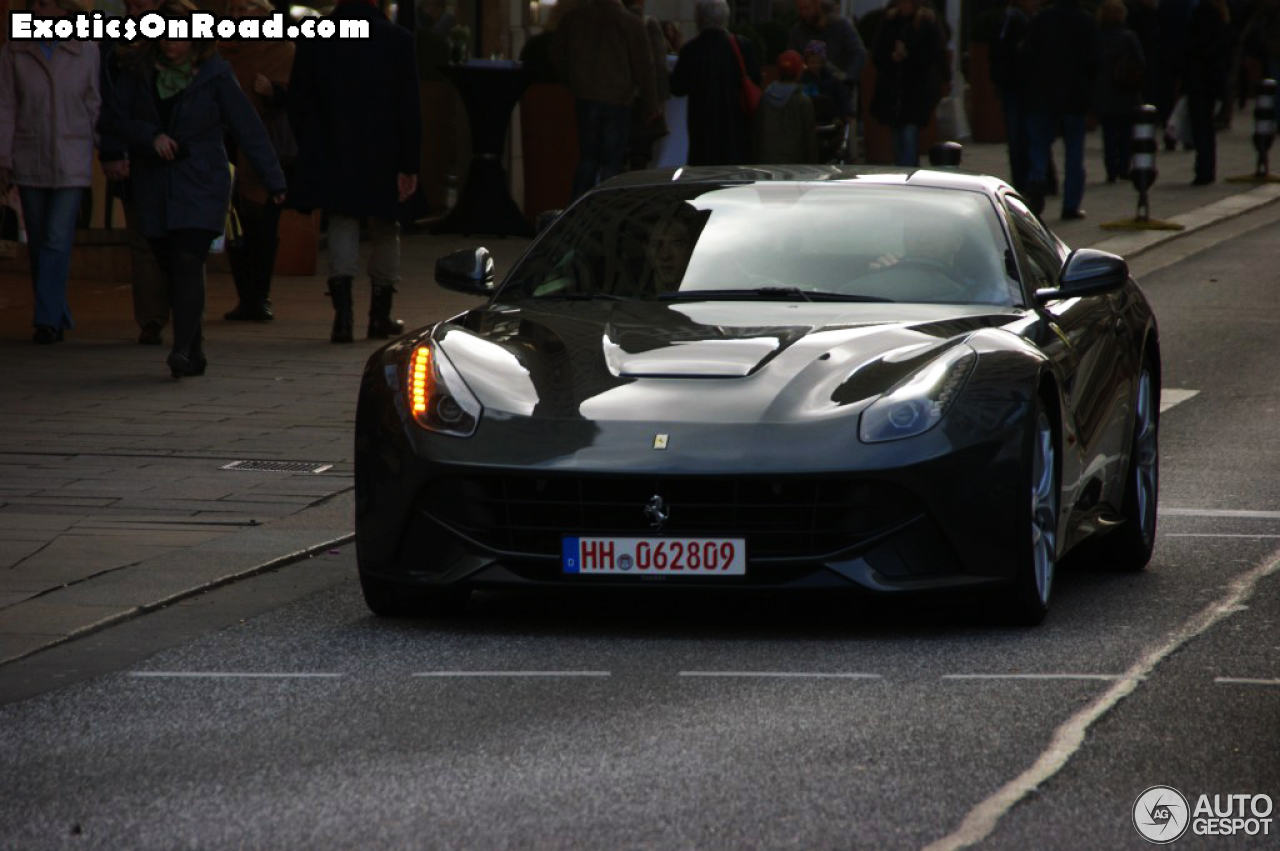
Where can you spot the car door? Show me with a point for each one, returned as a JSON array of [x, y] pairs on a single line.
[[1091, 329]]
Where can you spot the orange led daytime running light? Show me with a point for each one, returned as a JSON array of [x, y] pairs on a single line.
[[420, 380]]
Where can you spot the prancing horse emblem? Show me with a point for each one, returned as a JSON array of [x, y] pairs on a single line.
[[657, 512]]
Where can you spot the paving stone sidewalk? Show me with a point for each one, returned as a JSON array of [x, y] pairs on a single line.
[[114, 496]]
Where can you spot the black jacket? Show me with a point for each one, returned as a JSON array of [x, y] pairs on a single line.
[[907, 91], [194, 190], [355, 112], [1059, 59]]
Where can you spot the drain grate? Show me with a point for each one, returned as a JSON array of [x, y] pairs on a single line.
[[278, 466]]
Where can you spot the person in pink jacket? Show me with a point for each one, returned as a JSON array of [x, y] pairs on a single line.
[[49, 104]]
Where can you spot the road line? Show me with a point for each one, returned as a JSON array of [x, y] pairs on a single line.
[[1211, 535], [1169, 398], [813, 675], [1033, 676], [1069, 738], [513, 674], [230, 675], [1245, 681], [1220, 512]]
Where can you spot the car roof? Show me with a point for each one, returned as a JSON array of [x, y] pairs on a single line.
[[940, 178]]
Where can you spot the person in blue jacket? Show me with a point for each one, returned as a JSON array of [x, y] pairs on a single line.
[[170, 110]]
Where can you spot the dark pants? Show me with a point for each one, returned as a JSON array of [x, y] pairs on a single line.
[[603, 129], [1117, 144], [1043, 128], [1019, 140], [181, 255], [1200, 104], [253, 260]]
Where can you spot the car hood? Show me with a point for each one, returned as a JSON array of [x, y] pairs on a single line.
[[698, 361]]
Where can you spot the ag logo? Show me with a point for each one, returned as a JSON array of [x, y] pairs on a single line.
[[1161, 814]]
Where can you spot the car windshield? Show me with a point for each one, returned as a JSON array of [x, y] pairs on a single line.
[[805, 241]]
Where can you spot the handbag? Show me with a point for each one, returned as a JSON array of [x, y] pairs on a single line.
[[751, 94], [232, 233]]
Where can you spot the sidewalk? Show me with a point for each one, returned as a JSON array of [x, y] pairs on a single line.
[[114, 499]]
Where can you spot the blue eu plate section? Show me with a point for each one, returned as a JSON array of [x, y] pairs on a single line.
[[569, 555]]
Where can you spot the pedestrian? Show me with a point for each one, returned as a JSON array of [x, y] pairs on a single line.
[[603, 52], [147, 282], [355, 110], [1208, 58], [1006, 76], [710, 73], [1059, 61], [820, 20], [49, 101], [170, 109], [646, 130], [785, 128], [262, 68], [907, 51], [1117, 87]]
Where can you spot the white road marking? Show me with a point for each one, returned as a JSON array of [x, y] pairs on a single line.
[[1220, 512], [1070, 736], [513, 674], [1245, 681], [1209, 535], [230, 675], [1033, 676], [1170, 397], [782, 674]]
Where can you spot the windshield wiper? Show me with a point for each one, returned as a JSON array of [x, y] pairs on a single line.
[[771, 293]]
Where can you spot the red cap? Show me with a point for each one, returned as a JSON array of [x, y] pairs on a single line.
[[790, 65]]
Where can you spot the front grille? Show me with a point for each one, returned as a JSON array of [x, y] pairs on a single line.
[[786, 517]]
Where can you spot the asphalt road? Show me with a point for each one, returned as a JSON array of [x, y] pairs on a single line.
[[278, 714]]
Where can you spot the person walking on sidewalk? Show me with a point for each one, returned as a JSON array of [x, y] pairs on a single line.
[[1208, 57], [262, 69], [355, 110], [49, 101], [907, 50], [171, 109], [1059, 60], [150, 292], [1117, 87]]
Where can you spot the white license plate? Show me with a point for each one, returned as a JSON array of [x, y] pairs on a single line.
[[655, 556]]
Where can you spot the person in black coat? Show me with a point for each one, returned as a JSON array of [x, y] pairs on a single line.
[[355, 112], [707, 71], [907, 50], [1208, 58], [170, 111], [1117, 87], [1006, 76], [1059, 61]]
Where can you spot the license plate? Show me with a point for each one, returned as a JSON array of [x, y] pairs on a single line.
[[654, 556]]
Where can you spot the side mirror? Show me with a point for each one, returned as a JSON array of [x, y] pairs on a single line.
[[1087, 272], [544, 220], [467, 271]]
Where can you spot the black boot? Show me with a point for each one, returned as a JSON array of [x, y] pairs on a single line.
[[381, 325], [343, 313]]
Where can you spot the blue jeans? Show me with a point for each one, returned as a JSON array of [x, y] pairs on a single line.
[[603, 130], [1043, 127], [50, 218], [905, 139]]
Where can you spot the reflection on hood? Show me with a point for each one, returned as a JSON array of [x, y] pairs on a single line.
[[778, 93]]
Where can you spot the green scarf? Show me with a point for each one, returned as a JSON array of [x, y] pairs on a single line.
[[172, 77]]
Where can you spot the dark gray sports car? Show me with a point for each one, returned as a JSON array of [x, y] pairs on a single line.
[[816, 377]]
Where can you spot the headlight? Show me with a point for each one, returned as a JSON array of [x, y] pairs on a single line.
[[438, 397], [919, 402]]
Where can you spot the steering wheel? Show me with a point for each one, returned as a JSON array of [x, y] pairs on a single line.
[[913, 269]]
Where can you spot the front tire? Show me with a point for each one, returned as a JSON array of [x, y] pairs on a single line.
[[1027, 602], [1128, 548]]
